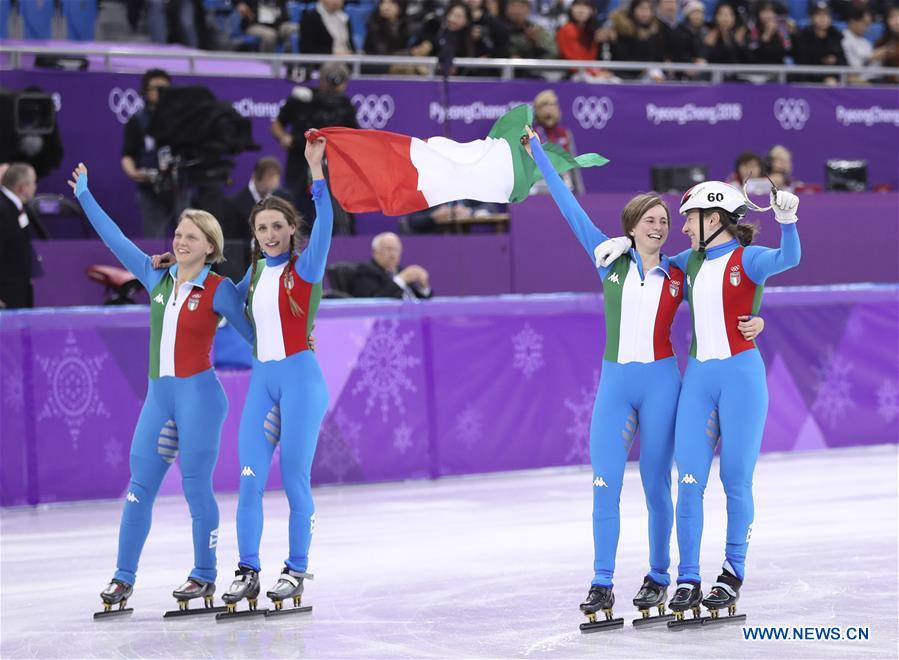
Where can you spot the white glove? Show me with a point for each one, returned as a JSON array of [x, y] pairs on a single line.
[[608, 251], [785, 205]]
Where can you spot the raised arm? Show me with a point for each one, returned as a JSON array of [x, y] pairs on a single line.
[[131, 256], [229, 303], [588, 234], [311, 263], [762, 262]]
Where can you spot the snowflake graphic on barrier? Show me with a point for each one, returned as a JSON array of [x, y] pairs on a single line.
[[527, 346], [13, 387], [579, 428], [72, 388], [888, 400], [468, 426], [338, 444], [834, 387], [112, 453], [383, 366], [402, 438]]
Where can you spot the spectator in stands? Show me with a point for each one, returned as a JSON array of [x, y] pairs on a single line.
[[180, 15], [325, 29], [140, 160], [639, 39], [820, 43], [268, 21], [747, 166], [419, 11], [527, 39], [667, 13], [441, 218], [769, 36], [779, 167], [582, 37], [446, 39], [308, 108], [382, 277], [547, 124], [19, 264], [689, 36], [726, 40], [491, 39], [264, 182], [886, 48], [387, 32]]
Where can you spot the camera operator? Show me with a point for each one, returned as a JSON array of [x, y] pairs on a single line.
[[140, 159], [308, 108]]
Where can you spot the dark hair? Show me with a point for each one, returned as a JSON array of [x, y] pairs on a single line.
[[743, 232], [632, 7], [151, 74], [747, 157], [721, 5], [858, 12], [762, 6], [637, 207], [294, 219], [265, 165], [585, 34]]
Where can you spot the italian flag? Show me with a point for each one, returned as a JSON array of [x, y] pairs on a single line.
[[398, 174]]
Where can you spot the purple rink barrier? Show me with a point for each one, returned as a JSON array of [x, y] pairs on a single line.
[[636, 126], [425, 390], [540, 254]]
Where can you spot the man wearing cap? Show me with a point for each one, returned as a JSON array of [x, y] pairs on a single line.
[[321, 107]]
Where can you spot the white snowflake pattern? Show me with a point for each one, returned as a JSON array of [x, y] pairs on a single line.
[[888, 400], [402, 438], [13, 386], [834, 387], [468, 426], [579, 428], [383, 366], [112, 453], [339, 444], [73, 393], [527, 346]]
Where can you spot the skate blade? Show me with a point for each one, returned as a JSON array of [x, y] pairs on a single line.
[[288, 610], [113, 614], [174, 614], [242, 614], [685, 623], [652, 620], [733, 618], [598, 626]]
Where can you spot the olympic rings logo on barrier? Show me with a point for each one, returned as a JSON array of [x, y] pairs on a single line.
[[792, 113], [124, 102], [373, 111], [593, 112]]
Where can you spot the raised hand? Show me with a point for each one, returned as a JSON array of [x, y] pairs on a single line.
[[78, 183], [315, 152], [785, 205]]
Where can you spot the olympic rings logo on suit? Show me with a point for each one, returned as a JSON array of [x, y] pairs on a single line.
[[792, 114], [124, 102], [372, 110], [593, 112]]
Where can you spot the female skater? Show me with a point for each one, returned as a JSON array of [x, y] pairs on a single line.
[[638, 387], [185, 405]]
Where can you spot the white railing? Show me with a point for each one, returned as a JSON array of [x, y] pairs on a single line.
[[277, 62]]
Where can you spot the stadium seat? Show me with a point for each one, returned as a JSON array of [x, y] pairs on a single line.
[[4, 18], [874, 32], [120, 284], [798, 9], [358, 15], [37, 19], [81, 19]]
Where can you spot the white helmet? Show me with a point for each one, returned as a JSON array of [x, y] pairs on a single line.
[[714, 195]]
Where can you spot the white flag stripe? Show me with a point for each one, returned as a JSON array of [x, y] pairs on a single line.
[[448, 170]]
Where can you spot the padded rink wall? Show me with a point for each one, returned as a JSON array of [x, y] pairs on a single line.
[[454, 386]]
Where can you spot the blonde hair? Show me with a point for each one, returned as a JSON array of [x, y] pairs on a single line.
[[211, 229], [639, 205]]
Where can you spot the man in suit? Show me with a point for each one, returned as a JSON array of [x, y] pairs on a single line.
[[18, 262], [382, 277], [264, 182]]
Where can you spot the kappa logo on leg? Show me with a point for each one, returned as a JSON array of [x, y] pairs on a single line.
[[247, 471], [131, 497], [748, 535], [688, 479], [599, 482], [214, 538]]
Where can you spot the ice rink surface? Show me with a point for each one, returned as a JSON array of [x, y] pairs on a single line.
[[486, 566]]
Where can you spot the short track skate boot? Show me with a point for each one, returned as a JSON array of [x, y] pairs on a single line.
[[724, 594], [115, 593], [599, 599], [288, 586], [651, 594], [687, 596], [245, 585], [191, 589]]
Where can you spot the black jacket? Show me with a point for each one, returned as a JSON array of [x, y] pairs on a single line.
[[15, 258], [372, 281], [314, 37], [235, 221]]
